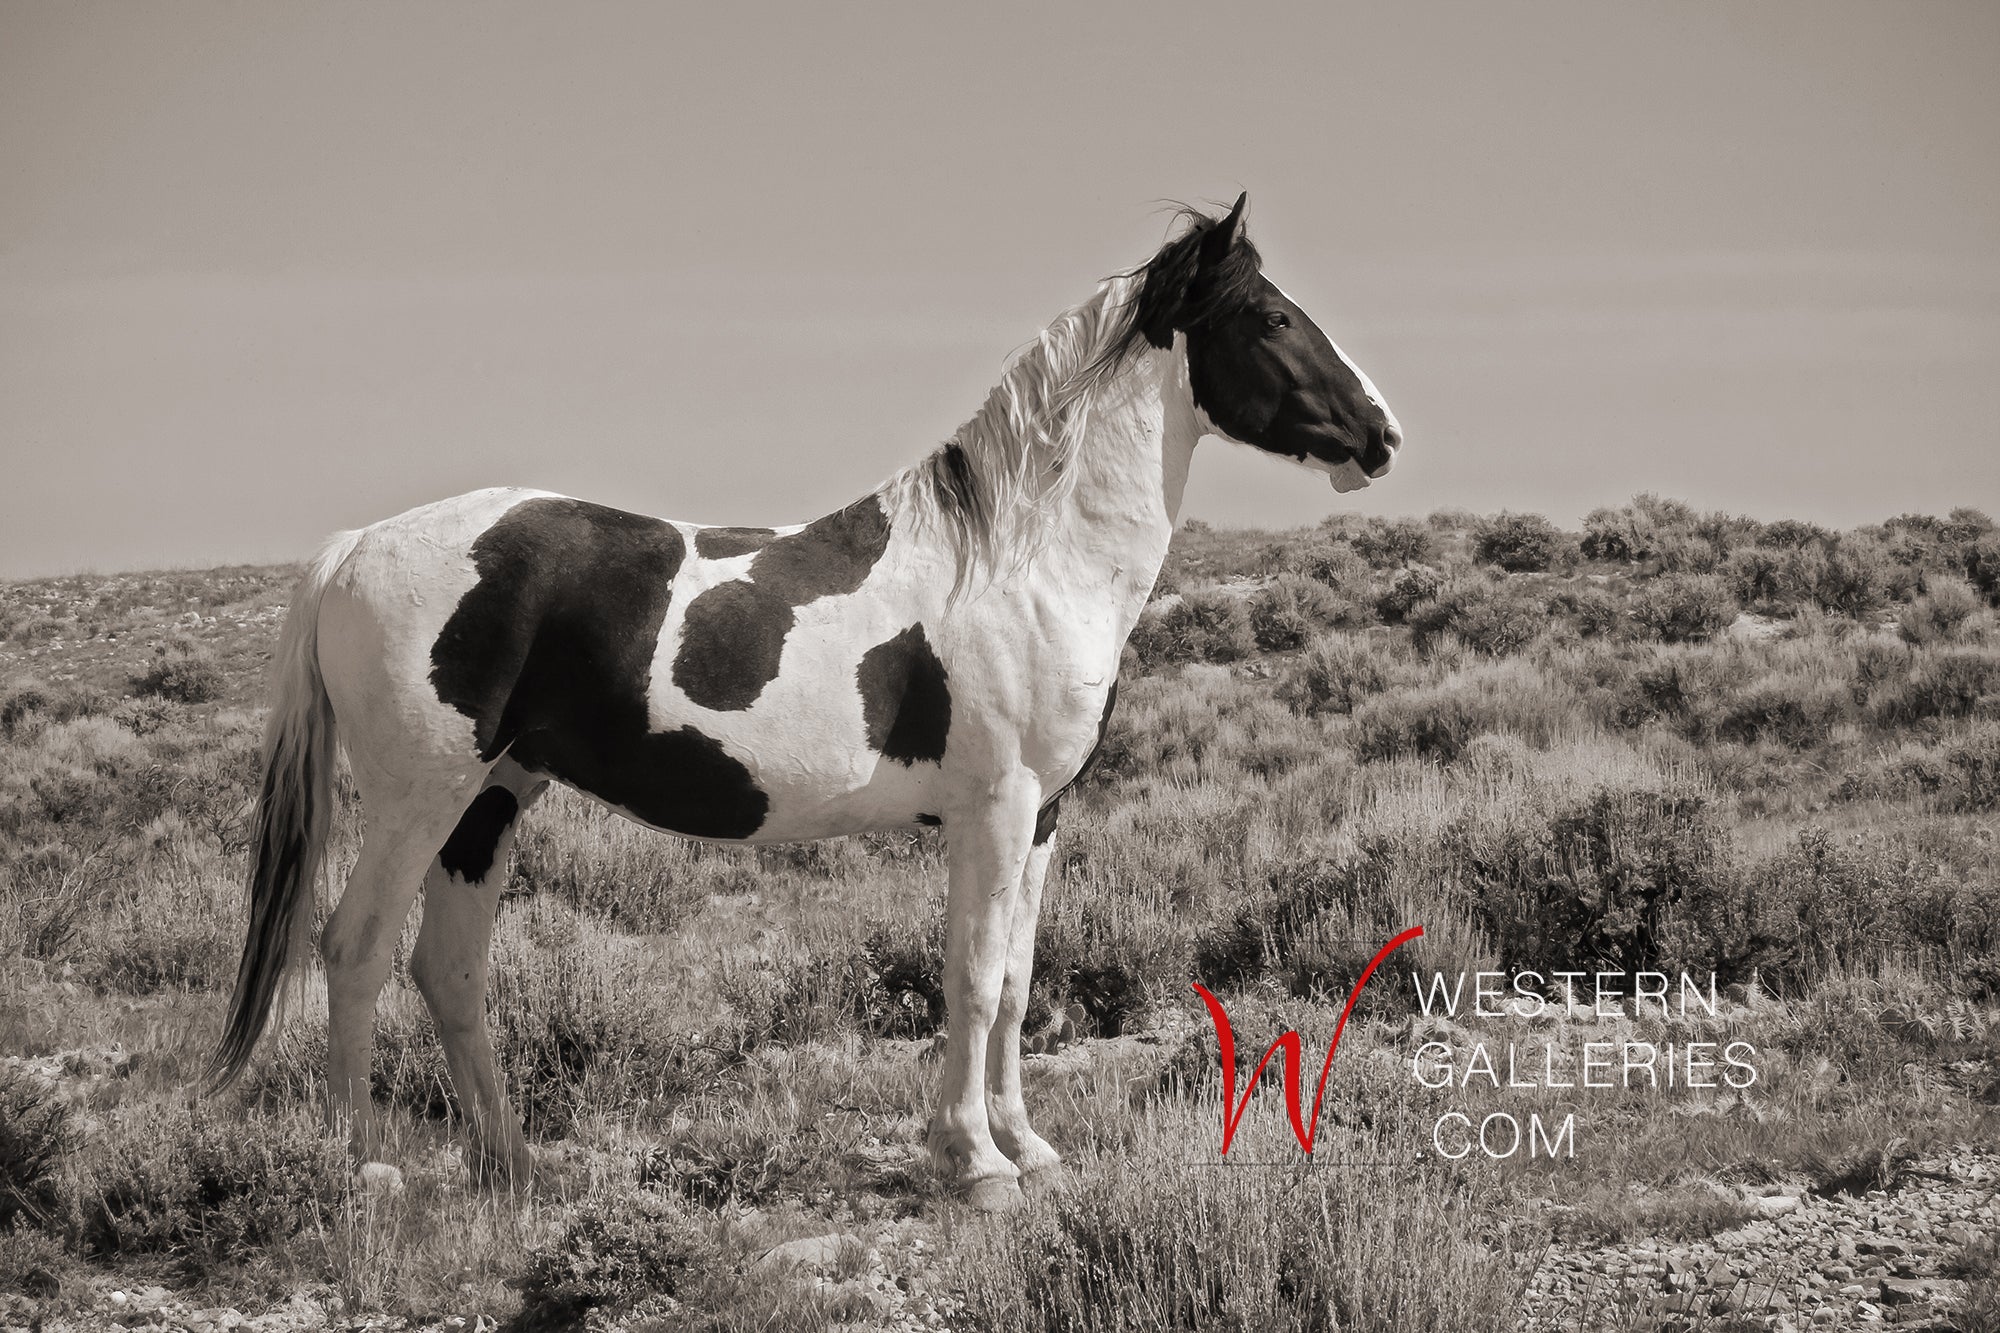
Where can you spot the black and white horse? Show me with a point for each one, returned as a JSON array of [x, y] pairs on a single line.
[[942, 651]]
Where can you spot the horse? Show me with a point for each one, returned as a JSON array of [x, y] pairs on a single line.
[[942, 652]]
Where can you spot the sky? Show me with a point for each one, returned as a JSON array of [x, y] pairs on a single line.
[[272, 270]]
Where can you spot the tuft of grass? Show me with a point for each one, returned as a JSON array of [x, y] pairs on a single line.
[[1856, 1167], [34, 1137], [1607, 1215], [205, 1189], [620, 1248], [1149, 1239]]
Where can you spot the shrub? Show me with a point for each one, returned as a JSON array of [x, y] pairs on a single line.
[[1728, 532], [1201, 627], [1593, 611], [1596, 882], [620, 1249], [1613, 535], [1684, 552], [1858, 906], [32, 1264], [1797, 711], [1491, 619], [1288, 612], [208, 1190], [1961, 774], [1408, 590], [1336, 564], [25, 705], [1684, 608], [1520, 543], [1982, 565], [1940, 615], [1439, 721], [1792, 534], [1386, 543], [1434, 723], [1856, 579], [181, 673], [1952, 682], [713, 1162], [1684, 687], [1975, 764], [1340, 671], [892, 985], [1760, 579], [1878, 662]]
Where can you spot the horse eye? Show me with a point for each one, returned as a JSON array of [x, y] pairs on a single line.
[[1277, 319]]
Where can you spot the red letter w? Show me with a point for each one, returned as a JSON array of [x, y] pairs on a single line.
[[1232, 1109]]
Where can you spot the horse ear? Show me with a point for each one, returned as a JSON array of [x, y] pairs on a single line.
[[1224, 235]]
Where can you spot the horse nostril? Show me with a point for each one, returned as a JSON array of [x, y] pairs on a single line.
[[1382, 445]]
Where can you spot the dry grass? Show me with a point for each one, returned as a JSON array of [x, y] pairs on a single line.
[[719, 1048]]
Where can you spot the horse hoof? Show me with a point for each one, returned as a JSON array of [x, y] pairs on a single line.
[[994, 1194], [378, 1178]]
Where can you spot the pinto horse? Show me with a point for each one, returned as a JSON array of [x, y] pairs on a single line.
[[943, 651]]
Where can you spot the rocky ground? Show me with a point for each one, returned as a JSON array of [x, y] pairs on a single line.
[[869, 1277], [1900, 1257]]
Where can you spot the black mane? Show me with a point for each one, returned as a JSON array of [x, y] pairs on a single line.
[[1181, 289]]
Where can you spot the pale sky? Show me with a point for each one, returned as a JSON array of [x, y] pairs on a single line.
[[268, 270]]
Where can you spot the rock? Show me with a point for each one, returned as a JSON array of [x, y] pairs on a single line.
[[806, 1252], [1902, 1291], [1777, 1205]]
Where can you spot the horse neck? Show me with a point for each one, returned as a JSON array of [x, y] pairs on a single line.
[[1112, 531]]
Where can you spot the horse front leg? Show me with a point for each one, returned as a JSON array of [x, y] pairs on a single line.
[[989, 847], [1006, 1108]]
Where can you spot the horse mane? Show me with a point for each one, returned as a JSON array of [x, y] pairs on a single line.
[[996, 485]]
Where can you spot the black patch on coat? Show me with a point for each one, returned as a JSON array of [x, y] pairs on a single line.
[[740, 629], [721, 543], [734, 633], [468, 853], [905, 698], [1045, 818], [550, 655], [930, 821]]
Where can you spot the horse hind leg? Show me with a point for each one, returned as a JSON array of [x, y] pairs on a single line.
[[461, 896], [358, 945]]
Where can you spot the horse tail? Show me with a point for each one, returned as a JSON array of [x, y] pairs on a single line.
[[294, 812]]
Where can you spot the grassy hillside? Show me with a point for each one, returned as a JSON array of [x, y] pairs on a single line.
[[1672, 740]]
